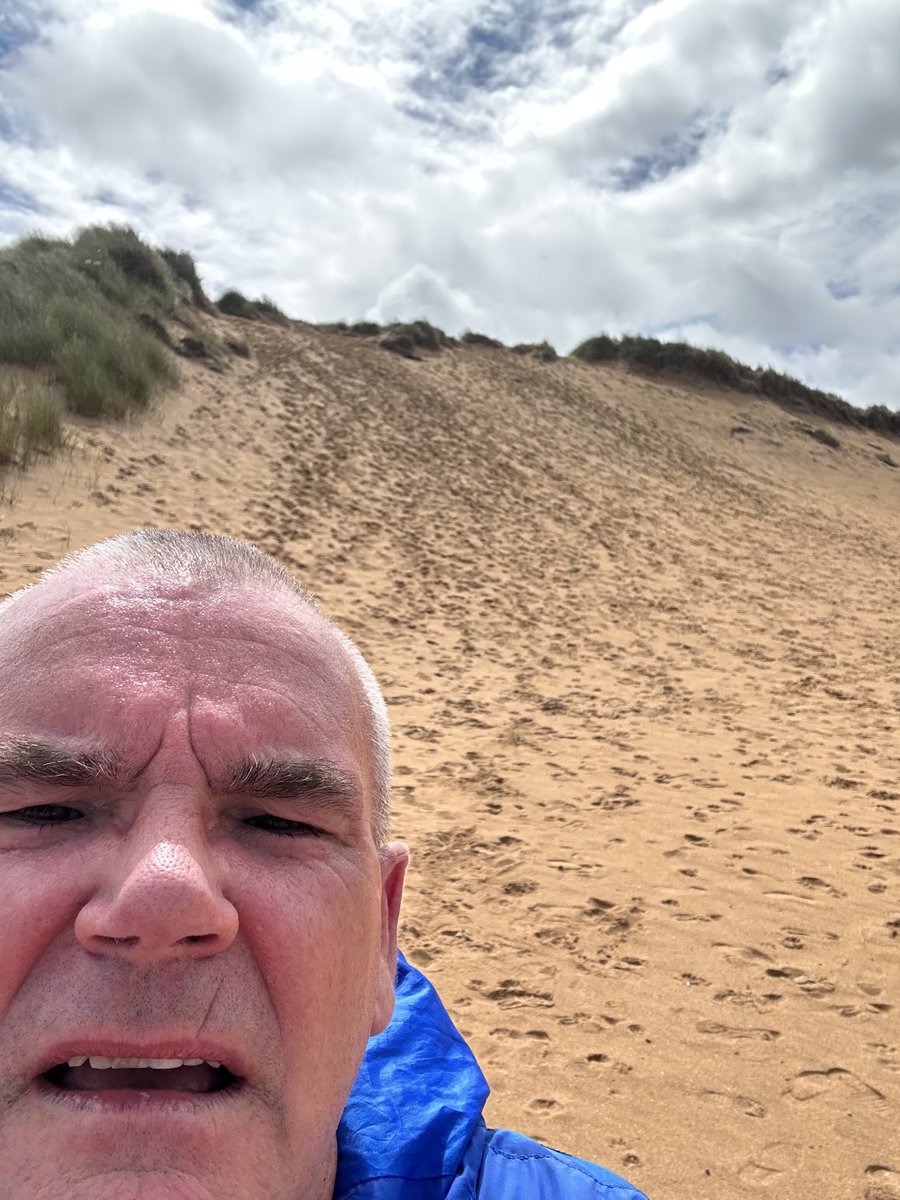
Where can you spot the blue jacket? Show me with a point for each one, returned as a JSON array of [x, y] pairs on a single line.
[[413, 1129]]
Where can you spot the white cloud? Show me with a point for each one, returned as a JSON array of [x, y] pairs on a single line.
[[727, 170], [422, 292]]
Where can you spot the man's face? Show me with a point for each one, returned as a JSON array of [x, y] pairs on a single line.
[[187, 871]]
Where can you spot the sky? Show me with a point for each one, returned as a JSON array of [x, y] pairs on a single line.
[[723, 172]]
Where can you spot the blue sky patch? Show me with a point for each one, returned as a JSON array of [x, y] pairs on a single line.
[[841, 289], [17, 199], [17, 29], [495, 51], [672, 153]]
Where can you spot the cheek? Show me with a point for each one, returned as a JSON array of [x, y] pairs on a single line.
[[316, 939], [38, 904]]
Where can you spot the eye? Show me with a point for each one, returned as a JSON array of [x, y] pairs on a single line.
[[281, 826], [44, 814]]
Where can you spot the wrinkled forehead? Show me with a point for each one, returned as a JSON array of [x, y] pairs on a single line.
[[114, 613], [147, 643]]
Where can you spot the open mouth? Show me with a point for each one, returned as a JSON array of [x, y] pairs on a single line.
[[194, 1076]]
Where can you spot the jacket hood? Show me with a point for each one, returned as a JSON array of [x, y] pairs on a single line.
[[417, 1101]]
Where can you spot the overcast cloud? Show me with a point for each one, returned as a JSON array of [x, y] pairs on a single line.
[[725, 171]]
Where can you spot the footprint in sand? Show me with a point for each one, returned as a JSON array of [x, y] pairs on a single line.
[[810, 1085], [858, 1010], [745, 1104], [520, 887], [510, 993], [742, 954], [737, 1032], [767, 1167], [815, 884], [882, 1183], [806, 983]]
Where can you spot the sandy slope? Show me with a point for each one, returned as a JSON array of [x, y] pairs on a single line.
[[644, 676]]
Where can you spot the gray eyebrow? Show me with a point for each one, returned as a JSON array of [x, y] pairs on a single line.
[[39, 760], [288, 777]]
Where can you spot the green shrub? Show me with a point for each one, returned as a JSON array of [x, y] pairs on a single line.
[[112, 371], [775, 385], [717, 366], [470, 338], [882, 419], [155, 326], [183, 267], [651, 354], [269, 310], [422, 334], [602, 348], [56, 316], [39, 243], [364, 328], [235, 304], [42, 427], [123, 266], [794, 393], [30, 422], [400, 343], [542, 351], [644, 352]]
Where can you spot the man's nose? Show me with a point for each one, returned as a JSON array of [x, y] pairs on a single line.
[[166, 906]]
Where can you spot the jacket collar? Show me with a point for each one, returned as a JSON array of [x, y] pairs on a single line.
[[417, 1100]]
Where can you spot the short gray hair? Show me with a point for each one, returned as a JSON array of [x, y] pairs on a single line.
[[214, 560]]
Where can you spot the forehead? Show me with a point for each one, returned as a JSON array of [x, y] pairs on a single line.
[[120, 659]]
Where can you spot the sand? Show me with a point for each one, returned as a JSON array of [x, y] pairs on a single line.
[[639, 643]]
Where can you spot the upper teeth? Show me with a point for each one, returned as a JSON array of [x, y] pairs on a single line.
[[99, 1062]]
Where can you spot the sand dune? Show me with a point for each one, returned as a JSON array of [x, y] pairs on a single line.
[[640, 648]]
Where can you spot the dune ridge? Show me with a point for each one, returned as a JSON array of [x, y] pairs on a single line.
[[638, 644]]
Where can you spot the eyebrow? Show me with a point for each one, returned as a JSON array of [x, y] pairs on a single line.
[[36, 760], [293, 778]]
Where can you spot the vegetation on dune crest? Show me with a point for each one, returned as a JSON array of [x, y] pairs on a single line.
[[236, 304], [651, 355], [471, 338], [403, 338], [184, 268], [92, 315], [69, 310], [86, 324], [542, 351]]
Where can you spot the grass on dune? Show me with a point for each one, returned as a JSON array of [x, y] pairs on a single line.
[[93, 316], [71, 308], [87, 314], [236, 304], [653, 356], [30, 422]]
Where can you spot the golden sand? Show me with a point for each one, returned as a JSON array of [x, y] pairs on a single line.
[[640, 646]]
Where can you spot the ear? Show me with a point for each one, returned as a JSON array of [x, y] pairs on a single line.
[[394, 861]]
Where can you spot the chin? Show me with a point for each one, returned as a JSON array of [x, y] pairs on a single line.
[[124, 1185]]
